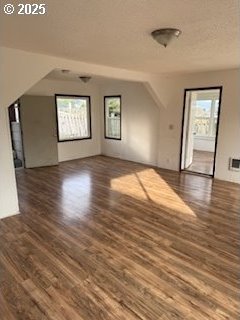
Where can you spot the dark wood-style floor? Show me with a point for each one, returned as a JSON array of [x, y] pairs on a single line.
[[202, 162], [102, 238]]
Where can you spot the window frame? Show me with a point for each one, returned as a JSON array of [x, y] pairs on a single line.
[[105, 127], [89, 113]]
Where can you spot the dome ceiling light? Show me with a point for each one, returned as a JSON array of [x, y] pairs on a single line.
[[85, 79], [166, 35]]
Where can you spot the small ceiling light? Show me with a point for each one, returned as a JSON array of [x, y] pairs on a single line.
[[85, 79], [166, 35], [65, 71]]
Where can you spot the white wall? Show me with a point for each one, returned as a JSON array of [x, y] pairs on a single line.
[[229, 130], [8, 191], [81, 148], [140, 118], [204, 143]]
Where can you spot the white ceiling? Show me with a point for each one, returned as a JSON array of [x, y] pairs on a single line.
[[57, 74], [116, 33]]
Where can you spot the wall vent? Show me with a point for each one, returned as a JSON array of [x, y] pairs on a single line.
[[234, 164]]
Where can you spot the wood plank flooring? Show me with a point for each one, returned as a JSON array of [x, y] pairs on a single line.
[[202, 162], [102, 238]]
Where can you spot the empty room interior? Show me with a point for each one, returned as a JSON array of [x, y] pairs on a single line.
[[120, 160]]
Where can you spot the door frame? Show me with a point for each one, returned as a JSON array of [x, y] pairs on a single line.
[[220, 88]]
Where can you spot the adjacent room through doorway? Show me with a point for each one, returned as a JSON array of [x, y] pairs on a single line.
[[200, 129], [16, 135]]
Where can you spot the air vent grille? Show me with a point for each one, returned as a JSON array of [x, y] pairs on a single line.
[[234, 164]]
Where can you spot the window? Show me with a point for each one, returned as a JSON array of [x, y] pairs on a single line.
[[16, 111], [112, 111], [73, 117], [205, 122]]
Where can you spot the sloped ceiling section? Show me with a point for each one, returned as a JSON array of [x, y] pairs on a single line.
[[23, 69], [20, 71]]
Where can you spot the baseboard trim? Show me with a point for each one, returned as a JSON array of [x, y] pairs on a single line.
[[84, 157]]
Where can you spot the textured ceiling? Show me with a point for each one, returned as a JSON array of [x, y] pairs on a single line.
[[116, 33], [57, 74]]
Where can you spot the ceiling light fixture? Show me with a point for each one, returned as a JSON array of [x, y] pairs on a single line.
[[166, 35], [85, 79], [65, 71]]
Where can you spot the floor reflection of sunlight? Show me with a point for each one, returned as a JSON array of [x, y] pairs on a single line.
[[148, 185], [79, 185]]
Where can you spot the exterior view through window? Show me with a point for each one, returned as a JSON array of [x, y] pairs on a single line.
[[73, 117], [112, 111], [206, 116]]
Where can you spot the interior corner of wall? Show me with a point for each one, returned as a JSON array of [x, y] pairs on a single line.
[[154, 94]]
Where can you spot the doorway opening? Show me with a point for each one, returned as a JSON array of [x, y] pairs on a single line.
[[16, 135], [200, 124]]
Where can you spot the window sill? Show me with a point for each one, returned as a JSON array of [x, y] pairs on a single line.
[[71, 140]]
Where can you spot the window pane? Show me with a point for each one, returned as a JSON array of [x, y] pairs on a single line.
[[113, 117], [202, 126], [73, 118], [202, 118], [203, 108]]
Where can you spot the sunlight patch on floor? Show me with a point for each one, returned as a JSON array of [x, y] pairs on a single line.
[[143, 187], [78, 183]]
